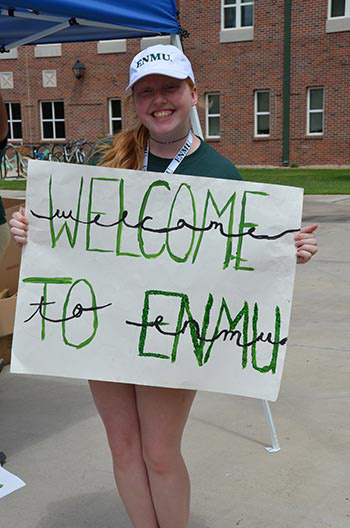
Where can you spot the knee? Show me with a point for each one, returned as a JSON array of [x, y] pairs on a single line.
[[160, 458], [125, 448]]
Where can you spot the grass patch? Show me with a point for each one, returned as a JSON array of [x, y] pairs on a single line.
[[13, 185], [313, 181]]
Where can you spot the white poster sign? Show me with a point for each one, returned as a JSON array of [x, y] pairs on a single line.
[[148, 278], [9, 483]]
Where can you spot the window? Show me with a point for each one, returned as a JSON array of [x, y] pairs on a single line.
[[262, 113], [14, 120], [212, 115], [115, 116], [52, 120], [315, 111], [237, 20], [338, 16], [237, 13], [339, 8]]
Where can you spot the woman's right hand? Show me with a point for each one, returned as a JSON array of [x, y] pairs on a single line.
[[19, 227]]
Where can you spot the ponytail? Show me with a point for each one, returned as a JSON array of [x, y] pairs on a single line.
[[127, 150]]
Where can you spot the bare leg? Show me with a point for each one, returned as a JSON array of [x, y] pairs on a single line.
[[163, 414], [116, 404]]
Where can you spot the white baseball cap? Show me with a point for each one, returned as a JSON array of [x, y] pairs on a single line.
[[162, 59]]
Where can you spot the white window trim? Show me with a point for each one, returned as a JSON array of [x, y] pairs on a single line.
[[341, 23], [208, 115], [347, 10], [238, 6], [309, 111], [111, 119], [256, 114], [239, 33], [53, 120], [11, 121]]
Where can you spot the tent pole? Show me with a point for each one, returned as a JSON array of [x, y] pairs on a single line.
[[38, 36], [63, 25], [196, 125], [79, 21]]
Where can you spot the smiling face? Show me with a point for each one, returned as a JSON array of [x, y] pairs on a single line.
[[163, 105]]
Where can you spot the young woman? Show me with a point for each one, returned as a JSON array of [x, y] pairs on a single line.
[[145, 424]]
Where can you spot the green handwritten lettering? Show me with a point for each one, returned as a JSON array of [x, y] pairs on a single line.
[[71, 237], [242, 225], [171, 254], [91, 214]]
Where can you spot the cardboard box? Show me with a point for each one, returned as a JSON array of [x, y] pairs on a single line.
[[9, 273], [5, 349]]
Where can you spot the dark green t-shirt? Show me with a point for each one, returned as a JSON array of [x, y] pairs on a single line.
[[2, 210], [204, 161]]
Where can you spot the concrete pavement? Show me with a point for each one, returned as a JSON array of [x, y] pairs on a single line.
[[54, 440]]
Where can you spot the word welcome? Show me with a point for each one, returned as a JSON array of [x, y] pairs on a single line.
[[198, 228]]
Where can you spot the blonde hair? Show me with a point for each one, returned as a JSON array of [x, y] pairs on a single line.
[[128, 147]]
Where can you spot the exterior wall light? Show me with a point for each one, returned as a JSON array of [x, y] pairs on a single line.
[[78, 69]]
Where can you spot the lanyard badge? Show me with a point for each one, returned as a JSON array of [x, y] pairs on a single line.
[[173, 165]]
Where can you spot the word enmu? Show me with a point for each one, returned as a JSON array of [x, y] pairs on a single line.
[[69, 222], [70, 311], [224, 330], [152, 57]]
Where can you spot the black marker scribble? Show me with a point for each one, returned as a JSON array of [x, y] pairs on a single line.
[[77, 311], [181, 223], [225, 333]]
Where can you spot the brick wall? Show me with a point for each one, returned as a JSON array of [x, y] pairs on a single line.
[[238, 69]]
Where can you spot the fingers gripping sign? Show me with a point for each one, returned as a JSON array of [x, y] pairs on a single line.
[[19, 227], [306, 243]]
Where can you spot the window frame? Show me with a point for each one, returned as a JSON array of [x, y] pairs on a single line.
[[208, 115], [238, 6], [53, 120], [346, 14], [257, 113], [110, 118], [10, 120], [310, 111]]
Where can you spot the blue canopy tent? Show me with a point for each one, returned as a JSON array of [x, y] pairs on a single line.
[[43, 22]]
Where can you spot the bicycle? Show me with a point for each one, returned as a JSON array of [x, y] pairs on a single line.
[[73, 152], [42, 152], [10, 162]]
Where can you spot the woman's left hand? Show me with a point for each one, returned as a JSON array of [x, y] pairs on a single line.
[[306, 243]]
